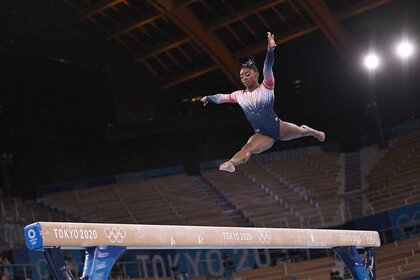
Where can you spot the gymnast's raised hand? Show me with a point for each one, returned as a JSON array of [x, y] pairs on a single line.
[[257, 102], [271, 43]]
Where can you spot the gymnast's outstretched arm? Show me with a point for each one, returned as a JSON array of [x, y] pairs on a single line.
[[219, 98]]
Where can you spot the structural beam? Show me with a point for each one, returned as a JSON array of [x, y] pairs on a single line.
[[208, 42], [361, 8], [162, 48], [188, 76], [141, 22], [100, 8], [250, 10], [328, 24]]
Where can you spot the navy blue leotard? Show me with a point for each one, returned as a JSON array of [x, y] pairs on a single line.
[[257, 104]]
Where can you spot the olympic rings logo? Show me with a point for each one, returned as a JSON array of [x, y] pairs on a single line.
[[405, 223], [115, 234], [369, 238], [264, 236]]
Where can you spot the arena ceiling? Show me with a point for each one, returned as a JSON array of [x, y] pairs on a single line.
[[176, 41]]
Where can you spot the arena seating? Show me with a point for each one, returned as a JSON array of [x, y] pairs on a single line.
[[280, 193], [298, 192], [247, 195], [399, 260], [314, 177], [394, 181], [16, 213], [164, 200], [27, 211], [193, 207], [100, 203]]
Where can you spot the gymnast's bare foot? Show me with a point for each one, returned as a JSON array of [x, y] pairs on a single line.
[[227, 166], [320, 135], [315, 133]]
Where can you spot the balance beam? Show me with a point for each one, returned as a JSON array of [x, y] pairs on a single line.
[[81, 235], [115, 238]]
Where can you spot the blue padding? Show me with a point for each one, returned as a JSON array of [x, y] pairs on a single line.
[[33, 236], [99, 261]]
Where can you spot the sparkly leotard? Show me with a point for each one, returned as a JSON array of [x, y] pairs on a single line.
[[258, 104]]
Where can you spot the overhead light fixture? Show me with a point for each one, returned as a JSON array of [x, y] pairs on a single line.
[[405, 49], [371, 61]]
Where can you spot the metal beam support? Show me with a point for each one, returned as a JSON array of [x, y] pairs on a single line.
[[359, 269]]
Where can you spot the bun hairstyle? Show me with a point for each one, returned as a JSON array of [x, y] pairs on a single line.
[[250, 63]]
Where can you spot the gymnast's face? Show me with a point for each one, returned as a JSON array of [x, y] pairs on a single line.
[[249, 77]]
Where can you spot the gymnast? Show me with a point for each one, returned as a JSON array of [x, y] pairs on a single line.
[[257, 102]]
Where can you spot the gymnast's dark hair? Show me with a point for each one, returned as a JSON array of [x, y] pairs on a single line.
[[250, 63]]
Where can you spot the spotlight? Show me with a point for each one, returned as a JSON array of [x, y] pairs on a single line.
[[405, 49], [371, 61]]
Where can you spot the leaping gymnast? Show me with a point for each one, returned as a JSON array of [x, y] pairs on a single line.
[[257, 102]]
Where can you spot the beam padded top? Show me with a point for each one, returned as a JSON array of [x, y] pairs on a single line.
[[81, 235]]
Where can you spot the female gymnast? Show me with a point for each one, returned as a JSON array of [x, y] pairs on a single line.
[[257, 102]]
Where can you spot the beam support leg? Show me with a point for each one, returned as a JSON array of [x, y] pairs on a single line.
[[55, 259], [99, 261], [359, 270]]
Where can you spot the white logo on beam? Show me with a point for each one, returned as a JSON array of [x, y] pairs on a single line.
[[264, 236], [200, 239], [115, 234]]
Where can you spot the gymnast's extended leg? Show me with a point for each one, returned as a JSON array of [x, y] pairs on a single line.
[[258, 143], [289, 131]]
